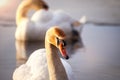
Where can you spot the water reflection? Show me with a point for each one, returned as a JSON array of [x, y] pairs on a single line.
[[24, 49]]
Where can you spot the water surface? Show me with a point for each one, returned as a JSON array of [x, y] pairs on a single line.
[[98, 60]]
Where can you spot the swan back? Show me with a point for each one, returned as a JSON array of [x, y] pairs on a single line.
[[44, 19], [42, 16]]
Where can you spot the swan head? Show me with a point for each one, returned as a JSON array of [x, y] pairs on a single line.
[[57, 37], [38, 4]]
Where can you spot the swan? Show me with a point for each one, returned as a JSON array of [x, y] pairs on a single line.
[[35, 27], [45, 64]]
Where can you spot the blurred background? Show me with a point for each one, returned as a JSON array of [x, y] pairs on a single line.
[[100, 59], [97, 11]]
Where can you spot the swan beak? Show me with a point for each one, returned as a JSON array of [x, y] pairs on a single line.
[[63, 51]]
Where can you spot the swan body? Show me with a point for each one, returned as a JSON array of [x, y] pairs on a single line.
[[45, 64], [40, 22], [34, 28], [45, 19], [36, 68]]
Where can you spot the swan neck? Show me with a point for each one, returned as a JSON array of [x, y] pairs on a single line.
[[23, 9], [55, 66]]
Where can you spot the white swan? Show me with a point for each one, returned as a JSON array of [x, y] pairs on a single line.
[[36, 27], [45, 64]]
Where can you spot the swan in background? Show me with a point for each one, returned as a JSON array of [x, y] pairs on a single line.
[[34, 28], [45, 64]]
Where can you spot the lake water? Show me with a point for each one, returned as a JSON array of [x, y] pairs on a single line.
[[98, 60]]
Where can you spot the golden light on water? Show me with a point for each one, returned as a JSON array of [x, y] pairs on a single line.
[[3, 3]]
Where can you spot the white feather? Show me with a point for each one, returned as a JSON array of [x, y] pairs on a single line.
[[36, 68], [36, 27]]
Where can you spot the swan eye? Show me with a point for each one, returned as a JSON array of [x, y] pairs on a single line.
[[63, 42], [45, 6], [58, 41]]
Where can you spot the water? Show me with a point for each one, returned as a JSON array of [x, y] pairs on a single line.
[[7, 52], [98, 60]]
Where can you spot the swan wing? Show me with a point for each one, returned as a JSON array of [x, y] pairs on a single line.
[[34, 69]]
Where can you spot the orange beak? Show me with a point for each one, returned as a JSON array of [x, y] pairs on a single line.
[[63, 51]]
